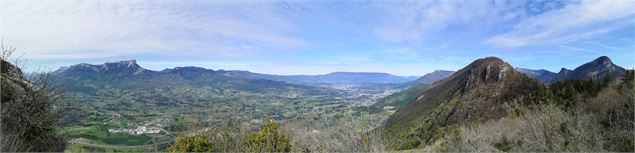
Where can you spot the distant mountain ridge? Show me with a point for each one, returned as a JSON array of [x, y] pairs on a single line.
[[357, 78], [542, 75], [122, 68], [432, 77], [596, 70], [128, 74], [402, 98], [131, 68]]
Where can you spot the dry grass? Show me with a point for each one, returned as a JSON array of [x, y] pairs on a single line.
[[347, 135], [548, 129]]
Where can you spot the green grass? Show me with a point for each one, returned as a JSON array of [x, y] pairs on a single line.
[[399, 99], [101, 135], [73, 148]]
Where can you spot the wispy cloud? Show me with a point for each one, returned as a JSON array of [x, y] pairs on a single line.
[[603, 46], [578, 49], [418, 20], [94, 29], [572, 23]]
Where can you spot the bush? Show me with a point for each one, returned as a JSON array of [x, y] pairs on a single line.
[[549, 129], [268, 139], [196, 143]]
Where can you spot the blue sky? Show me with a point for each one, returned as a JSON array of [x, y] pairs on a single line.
[[320, 36]]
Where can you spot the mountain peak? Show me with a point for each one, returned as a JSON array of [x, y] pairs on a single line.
[[126, 67], [477, 91], [486, 70], [187, 69], [596, 69], [489, 60], [562, 70], [126, 63], [541, 74], [603, 59], [433, 76]]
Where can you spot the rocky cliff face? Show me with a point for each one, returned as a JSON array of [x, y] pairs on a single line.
[[13, 85], [27, 122]]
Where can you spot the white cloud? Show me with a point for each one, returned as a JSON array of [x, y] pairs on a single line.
[[416, 20], [572, 23], [95, 29]]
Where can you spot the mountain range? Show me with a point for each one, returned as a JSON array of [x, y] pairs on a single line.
[[130, 74], [353, 78], [433, 76], [488, 88], [114, 71], [597, 70], [474, 92], [402, 98], [131, 68], [432, 105]]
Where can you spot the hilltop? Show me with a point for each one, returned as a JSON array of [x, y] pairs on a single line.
[[596, 69], [482, 90], [500, 101]]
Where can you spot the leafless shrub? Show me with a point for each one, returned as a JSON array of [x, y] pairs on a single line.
[[614, 109], [346, 135], [28, 116], [548, 129]]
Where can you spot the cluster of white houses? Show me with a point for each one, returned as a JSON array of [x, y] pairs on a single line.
[[138, 130]]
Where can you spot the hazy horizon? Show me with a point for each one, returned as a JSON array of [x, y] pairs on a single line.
[[142, 64], [134, 75], [290, 38]]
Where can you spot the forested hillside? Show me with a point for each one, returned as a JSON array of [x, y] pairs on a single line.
[[487, 106]]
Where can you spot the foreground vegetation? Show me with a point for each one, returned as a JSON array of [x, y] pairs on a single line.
[[571, 116], [28, 119], [268, 139], [566, 116]]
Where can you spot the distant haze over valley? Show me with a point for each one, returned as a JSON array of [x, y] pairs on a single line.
[[317, 76]]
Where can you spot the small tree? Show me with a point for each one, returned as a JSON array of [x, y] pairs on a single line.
[[628, 79], [196, 143], [569, 97], [268, 139], [607, 81]]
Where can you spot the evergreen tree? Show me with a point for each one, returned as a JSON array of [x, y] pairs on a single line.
[[268, 139], [607, 81], [628, 79], [196, 143]]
